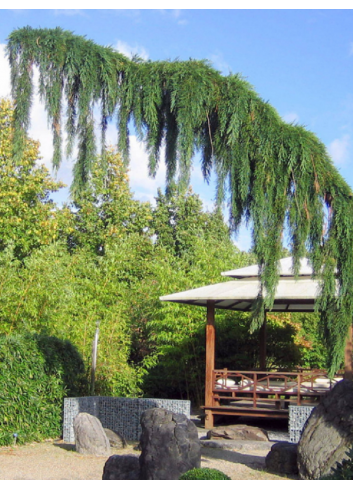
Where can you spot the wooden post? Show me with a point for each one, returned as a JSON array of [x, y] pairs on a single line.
[[348, 364], [94, 358], [210, 362], [262, 338]]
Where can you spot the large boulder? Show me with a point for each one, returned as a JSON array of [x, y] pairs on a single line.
[[328, 433], [237, 432], [170, 445], [115, 439], [282, 458], [121, 467], [90, 437]]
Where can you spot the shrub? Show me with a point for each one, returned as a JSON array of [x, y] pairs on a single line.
[[204, 474], [31, 388], [63, 360]]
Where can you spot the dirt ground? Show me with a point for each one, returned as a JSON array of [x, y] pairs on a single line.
[[56, 460]]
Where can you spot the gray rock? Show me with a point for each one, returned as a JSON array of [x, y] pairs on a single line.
[[282, 458], [328, 433], [170, 445], [115, 440], [121, 467], [249, 445], [221, 444], [90, 437], [237, 432]]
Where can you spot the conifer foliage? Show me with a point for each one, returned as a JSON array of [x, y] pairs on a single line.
[[276, 174]]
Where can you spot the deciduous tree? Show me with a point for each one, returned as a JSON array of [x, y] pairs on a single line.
[[276, 173], [105, 210], [27, 213]]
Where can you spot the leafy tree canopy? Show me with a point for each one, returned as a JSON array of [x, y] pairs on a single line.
[[178, 220], [26, 211], [105, 210], [276, 174]]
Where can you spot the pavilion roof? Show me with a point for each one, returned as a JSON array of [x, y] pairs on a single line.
[[239, 295], [292, 294], [285, 269]]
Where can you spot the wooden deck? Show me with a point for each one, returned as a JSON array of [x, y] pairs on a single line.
[[264, 394]]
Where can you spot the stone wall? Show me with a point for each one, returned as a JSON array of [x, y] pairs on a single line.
[[119, 414], [298, 416]]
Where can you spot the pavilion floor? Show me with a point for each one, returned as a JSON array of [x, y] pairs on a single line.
[[265, 394]]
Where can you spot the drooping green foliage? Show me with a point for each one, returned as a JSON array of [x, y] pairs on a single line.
[[107, 257], [111, 259], [276, 174], [36, 373]]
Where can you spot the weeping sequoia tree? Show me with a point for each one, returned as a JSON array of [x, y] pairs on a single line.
[[276, 175]]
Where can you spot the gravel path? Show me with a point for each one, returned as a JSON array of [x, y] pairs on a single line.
[[59, 461]]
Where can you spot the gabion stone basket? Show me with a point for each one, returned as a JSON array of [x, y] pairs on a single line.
[[120, 414]]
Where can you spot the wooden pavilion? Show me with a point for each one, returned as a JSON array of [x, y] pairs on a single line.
[[259, 393]]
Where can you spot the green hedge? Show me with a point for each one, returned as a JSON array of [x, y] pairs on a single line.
[[36, 373], [204, 474]]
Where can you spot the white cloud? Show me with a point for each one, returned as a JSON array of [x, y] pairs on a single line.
[[218, 61], [144, 186], [339, 149], [291, 117], [130, 51]]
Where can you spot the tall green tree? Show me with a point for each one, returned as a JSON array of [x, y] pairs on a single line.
[[106, 210], [192, 247], [27, 212], [178, 220], [276, 173]]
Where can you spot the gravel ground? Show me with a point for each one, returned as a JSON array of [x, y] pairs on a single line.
[[59, 461], [56, 460]]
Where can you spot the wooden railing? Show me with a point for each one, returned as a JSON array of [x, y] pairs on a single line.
[[270, 389]]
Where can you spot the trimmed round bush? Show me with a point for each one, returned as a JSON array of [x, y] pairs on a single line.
[[204, 474], [33, 374]]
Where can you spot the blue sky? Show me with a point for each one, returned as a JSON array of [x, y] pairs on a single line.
[[300, 61]]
